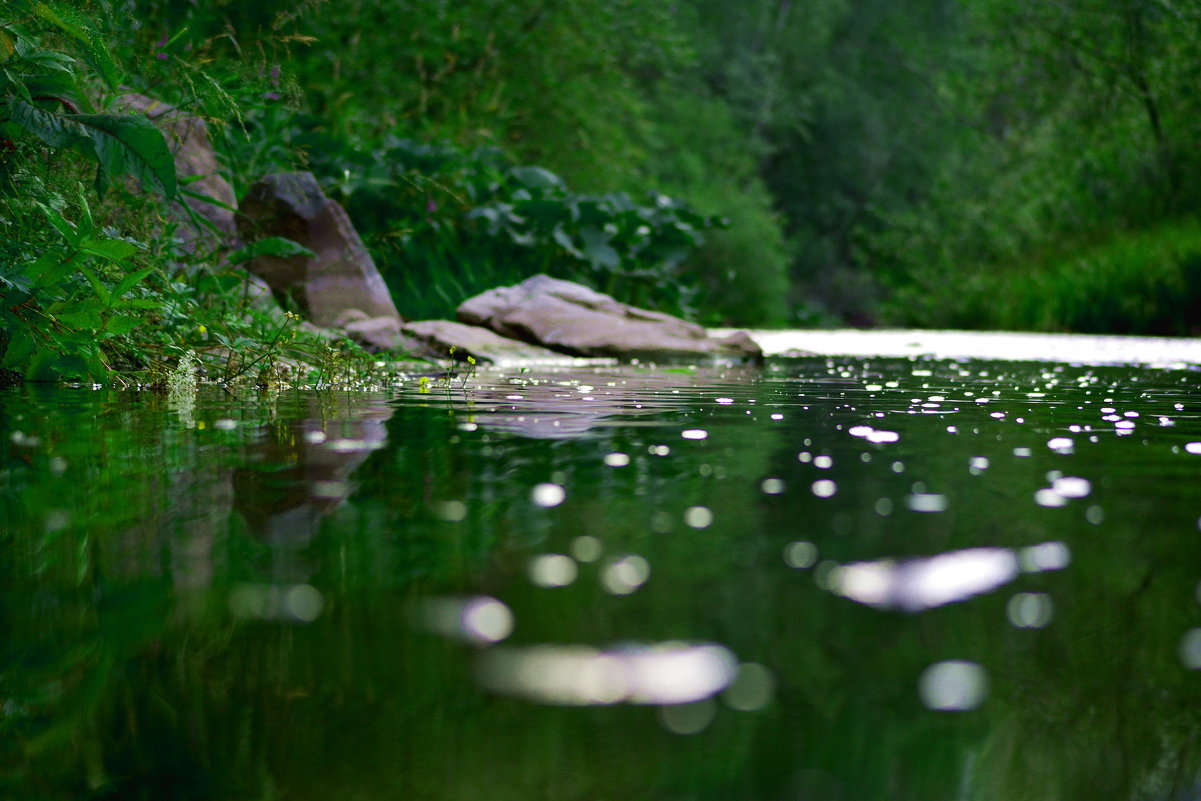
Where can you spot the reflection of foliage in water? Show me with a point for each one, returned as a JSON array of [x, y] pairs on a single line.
[[124, 671]]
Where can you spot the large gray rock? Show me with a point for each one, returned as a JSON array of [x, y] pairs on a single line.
[[582, 322], [197, 168], [439, 340], [340, 276], [439, 337]]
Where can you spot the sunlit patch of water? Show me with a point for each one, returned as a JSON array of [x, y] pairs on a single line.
[[625, 574], [800, 554], [288, 603], [698, 517], [576, 675], [548, 494], [552, 570], [586, 548], [917, 584], [1030, 610], [476, 620], [953, 686]]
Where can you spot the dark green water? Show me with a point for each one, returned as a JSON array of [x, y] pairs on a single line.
[[823, 580]]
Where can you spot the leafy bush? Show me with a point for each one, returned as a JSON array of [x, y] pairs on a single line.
[[445, 223], [1141, 282], [63, 285]]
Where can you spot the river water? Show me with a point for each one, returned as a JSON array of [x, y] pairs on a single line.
[[833, 577]]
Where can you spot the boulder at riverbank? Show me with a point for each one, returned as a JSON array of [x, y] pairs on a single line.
[[579, 321], [340, 276]]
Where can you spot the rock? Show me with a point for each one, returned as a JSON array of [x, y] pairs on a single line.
[[439, 336], [187, 136], [340, 276], [377, 334], [582, 322]]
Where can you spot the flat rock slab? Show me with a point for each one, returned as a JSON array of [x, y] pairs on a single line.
[[438, 337], [579, 321]]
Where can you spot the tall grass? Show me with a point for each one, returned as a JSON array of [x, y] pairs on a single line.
[[1146, 281]]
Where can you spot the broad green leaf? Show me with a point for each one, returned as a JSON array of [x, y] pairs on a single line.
[[89, 320], [202, 197], [72, 23], [86, 225], [113, 249], [544, 213], [598, 250], [271, 246], [536, 178], [122, 323], [50, 270], [129, 143], [97, 287], [138, 303], [21, 345], [13, 84], [61, 225], [58, 86], [40, 57], [7, 46], [564, 239], [130, 281], [55, 130]]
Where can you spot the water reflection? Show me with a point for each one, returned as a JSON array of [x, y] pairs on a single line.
[[242, 606]]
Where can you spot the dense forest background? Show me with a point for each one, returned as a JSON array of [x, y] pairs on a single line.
[[795, 162], [925, 162]]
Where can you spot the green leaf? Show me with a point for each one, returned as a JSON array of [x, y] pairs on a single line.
[[97, 287], [598, 250], [55, 130], [58, 86], [80, 318], [21, 345], [41, 57], [61, 225], [536, 178], [138, 303], [72, 23], [212, 201], [130, 143], [271, 246], [113, 249], [7, 45], [122, 323], [87, 225], [13, 84], [130, 281], [50, 270]]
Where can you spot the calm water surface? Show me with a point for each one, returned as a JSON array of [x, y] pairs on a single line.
[[825, 579]]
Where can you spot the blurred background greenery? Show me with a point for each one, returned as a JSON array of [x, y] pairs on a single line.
[[764, 163]]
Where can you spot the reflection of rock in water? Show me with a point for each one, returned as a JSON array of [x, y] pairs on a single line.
[[550, 403], [303, 474]]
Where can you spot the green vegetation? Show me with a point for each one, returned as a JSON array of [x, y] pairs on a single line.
[[760, 163]]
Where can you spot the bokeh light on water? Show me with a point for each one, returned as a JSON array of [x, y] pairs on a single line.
[[576, 675], [826, 578], [954, 686]]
